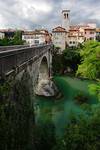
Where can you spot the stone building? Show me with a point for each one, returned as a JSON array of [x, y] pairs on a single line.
[[66, 19], [36, 37], [90, 33], [59, 37], [67, 35]]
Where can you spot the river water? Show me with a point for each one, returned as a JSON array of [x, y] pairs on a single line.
[[58, 111]]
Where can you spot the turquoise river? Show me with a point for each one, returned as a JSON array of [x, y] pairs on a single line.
[[58, 111]]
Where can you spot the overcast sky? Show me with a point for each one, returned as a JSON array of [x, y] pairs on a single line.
[[46, 13]]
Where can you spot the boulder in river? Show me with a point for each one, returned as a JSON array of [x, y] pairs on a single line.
[[46, 88]]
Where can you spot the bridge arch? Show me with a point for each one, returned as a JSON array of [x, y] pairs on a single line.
[[43, 69], [43, 75]]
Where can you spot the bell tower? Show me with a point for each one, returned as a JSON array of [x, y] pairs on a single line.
[[66, 19]]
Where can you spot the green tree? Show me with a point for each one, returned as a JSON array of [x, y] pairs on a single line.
[[18, 130], [71, 58], [95, 89], [4, 42], [16, 114], [44, 136], [82, 133], [90, 62], [17, 40], [57, 66]]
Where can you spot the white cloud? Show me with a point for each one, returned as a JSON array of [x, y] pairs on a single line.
[[31, 13], [23, 11], [69, 4]]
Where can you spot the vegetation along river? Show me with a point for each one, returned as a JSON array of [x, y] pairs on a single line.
[[58, 111]]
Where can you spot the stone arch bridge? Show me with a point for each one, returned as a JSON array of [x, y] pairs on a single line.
[[37, 60]]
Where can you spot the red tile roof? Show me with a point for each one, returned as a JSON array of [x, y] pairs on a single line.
[[98, 30], [59, 29], [74, 28], [39, 32]]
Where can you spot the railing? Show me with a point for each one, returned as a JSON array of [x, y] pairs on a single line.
[[6, 48], [12, 59]]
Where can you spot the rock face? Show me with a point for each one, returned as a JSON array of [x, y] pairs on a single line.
[[46, 88]]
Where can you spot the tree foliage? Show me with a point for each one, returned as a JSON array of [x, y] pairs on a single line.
[[90, 62], [18, 130], [57, 65], [16, 115], [82, 133], [69, 58], [95, 89], [16, 40]]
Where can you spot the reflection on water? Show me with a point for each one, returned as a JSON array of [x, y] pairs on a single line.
[[59, 111]]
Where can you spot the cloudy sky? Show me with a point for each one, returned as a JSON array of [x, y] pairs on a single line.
[[46, 13]]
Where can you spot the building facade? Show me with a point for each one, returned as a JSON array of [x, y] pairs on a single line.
[[59, 37], [66, 19], [72, 36], [2, 35], [37, 37], [90, 33]]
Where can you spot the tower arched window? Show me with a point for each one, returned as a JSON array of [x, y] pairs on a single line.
[[65, 16]]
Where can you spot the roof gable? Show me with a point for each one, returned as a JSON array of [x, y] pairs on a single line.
[[59, 29]]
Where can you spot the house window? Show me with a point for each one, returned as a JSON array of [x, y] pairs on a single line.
[[70, 42], [36, 37], [91, 32], [36, 41], [73, 42], [28, 37]]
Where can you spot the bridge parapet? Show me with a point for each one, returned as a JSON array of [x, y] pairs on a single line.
[[6, 48], [12, 59]]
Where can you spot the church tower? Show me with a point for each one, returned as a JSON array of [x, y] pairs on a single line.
[[66, 19]]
